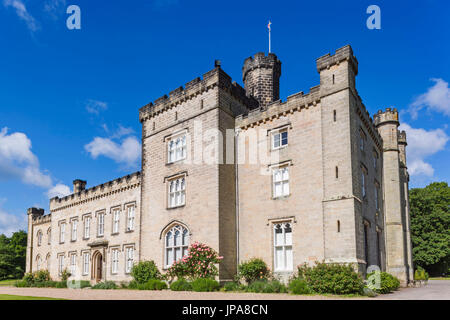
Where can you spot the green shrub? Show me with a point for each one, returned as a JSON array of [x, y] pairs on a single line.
[[124, 285], [231, 286], [107, 285], [369, 292], [299, 286], [61, 284], [132, 285], [28, 278], [264, 286], [51, 284], [331, 278], [65, 274], [152, 284], [388, 283], [253, 270], [181, 285], [41, 276], [145, 271], [21, 284], [421, 274], [205, 285]]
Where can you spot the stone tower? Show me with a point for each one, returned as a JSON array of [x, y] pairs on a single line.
[[33, 213], [398, 251], [261, 76]]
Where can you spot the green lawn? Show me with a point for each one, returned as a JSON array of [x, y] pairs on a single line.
[[440, 278], [12, 297], [7, 283]]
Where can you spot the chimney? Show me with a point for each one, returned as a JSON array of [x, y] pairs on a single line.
[[78, 185]]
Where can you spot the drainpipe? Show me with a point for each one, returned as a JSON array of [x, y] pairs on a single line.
[[236, 168]]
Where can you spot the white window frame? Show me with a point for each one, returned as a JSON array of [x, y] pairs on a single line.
[[177, 147], [280, 177], [277, 135], [73, 263], [62, 232], [114, 261], [74, 232], [130, 217], [87, 227], [116, 220], [129, 258], [171, 248], [285, 246], [60, 264], [176, 192], [100, 224], [39, 238], [86, 262]]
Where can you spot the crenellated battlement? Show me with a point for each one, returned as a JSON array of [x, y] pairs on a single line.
[[42, 219], [294, 102], [402, 137], [342, 54], [260, 60], [105, 189], [213, 78], [390, 115]]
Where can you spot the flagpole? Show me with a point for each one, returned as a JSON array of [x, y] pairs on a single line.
[[269, 35]]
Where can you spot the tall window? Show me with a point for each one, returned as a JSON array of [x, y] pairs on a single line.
[[116, 218], [38, 262], [87, 227], [100, 224], [375, 159], [74, 229], [49, 235], [114, 261], [363, 181], [279, 138], [73, 263], [39, 237], [366, 243], [62, 232], [362, 140], [176, 148], [283, 247], [130, 218], [129, 259], [177, 190], [377, 196], [60, 264], [48, 261], [280, 182], [86, 258], [177, 243]]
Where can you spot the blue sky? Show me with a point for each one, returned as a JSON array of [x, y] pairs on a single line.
[[69, 99]]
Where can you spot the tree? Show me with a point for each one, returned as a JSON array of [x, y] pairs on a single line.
[[430, 227], [12, 255]]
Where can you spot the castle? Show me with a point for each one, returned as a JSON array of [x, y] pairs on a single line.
[[313, 178]]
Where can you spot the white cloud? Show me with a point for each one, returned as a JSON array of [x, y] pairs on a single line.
[[22, 13], [125, 152], [95, 106], [17, 160], [59, 190], [10, 223], [422, 144], [437, 98], [55, 7]]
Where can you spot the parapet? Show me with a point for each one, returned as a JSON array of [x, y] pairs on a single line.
[[123, 183], [402, 137], [389, 116], [35, 212], [212, 78], [342, 54], [260, 60]]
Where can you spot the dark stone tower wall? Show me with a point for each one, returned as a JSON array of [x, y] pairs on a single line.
[[261, 75]]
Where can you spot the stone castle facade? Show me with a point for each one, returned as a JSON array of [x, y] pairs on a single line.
[[313, 178]]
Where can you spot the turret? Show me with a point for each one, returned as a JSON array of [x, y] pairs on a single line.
[[261, 76], [33, 213], [397, 249]]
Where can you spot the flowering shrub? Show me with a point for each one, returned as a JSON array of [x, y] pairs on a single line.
[[253, 270], [200, 262]]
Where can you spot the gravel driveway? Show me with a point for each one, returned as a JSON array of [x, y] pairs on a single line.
[[436, 289]]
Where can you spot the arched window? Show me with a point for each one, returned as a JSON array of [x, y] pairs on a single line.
[[38, 262], [39, 237], [176, 244], [49, 235], [283, 246], [48, 261]]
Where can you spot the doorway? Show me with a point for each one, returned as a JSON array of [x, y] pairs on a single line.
[[97, 266]]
